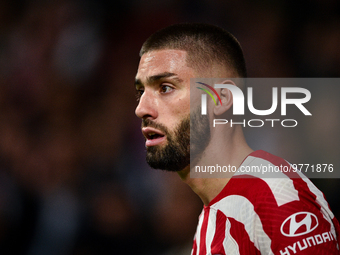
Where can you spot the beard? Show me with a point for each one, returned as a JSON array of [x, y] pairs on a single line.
[[175, 155], [199, 135]]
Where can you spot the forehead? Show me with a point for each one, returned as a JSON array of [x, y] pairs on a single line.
[[161, 61]]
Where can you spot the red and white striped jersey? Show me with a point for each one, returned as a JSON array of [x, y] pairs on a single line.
[[256, 215]]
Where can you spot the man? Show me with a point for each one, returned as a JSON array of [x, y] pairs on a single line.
[[250, 215]]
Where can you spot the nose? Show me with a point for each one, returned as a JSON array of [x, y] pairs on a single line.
[[147, 106]]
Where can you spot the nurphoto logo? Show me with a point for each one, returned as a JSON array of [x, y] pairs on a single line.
[[239, 104], [270, 112]]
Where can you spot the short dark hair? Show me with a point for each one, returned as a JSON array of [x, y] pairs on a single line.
[[205, 44]]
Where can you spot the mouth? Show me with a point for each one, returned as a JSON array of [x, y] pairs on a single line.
[[153, 136]]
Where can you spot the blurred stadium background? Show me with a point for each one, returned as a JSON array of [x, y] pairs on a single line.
[[73, 179]]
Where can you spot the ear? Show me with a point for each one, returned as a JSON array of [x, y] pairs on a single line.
[[226, 98]]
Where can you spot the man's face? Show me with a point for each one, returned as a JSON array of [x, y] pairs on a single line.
[[163, 87]]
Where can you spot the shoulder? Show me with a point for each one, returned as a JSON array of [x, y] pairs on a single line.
[[283, 209]]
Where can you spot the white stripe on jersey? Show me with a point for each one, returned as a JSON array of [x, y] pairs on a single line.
[[248, 217], [198, 232], [281, 186], [210, 229], [229, 244]]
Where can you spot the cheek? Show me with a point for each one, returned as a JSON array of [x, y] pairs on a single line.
[[181, 109]]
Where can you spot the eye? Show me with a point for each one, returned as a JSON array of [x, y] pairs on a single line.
[[166, 89], [139, 93]]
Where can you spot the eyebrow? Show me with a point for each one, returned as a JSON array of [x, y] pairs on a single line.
[[157, 77]]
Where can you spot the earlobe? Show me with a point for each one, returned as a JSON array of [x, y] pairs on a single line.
[[226, 98]]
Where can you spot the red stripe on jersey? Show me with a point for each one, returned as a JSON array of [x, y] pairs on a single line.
[[217, 243], [238, 232], [194, 248], [203, 248]]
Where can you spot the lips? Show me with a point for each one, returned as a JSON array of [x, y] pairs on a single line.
[[153, 136]]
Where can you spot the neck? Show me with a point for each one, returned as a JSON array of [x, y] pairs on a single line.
[[225, 152]]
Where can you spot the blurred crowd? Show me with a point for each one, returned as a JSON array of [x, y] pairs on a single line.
[[73, 177]]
